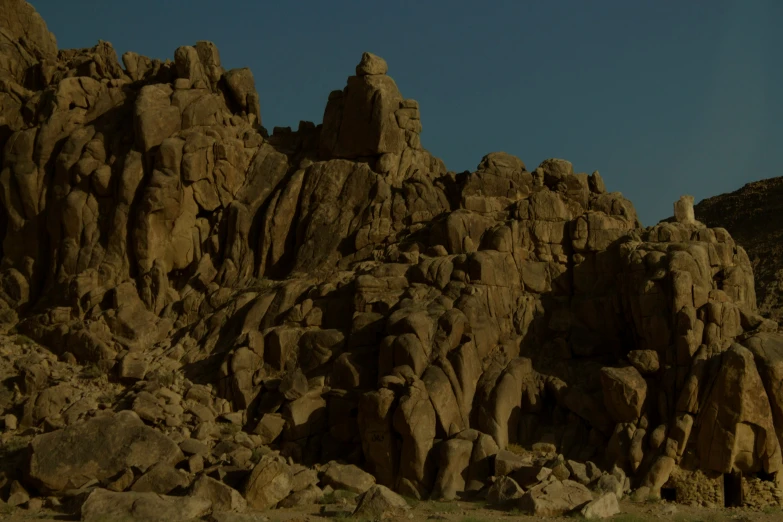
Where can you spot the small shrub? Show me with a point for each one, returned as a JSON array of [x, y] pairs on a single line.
[[91, 372], [229, 429], [23, 340], [345, 494], [105, 398], [13, 445], [163, 376], [516, 449], [412, 501], [255, 458]]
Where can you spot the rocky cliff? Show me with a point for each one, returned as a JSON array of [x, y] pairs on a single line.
[[754, 216], [225, 311]]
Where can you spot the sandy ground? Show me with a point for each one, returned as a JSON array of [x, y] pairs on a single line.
[[467, 512], [477, 512]]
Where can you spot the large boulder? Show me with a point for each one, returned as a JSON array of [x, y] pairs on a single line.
[[452, 468], [21, 20], [604, 506], [23, 38], [348, 132], [737, 429], [97, 450], [161, 478], [379, 503], [242, 86], [767, 351], [348, 477], [414, 420], [304, 497], [624, 392], [102, 505], [222, 496], [555, 498], [270, 482], [504, 491]]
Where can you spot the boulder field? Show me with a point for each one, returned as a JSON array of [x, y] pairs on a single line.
[[199, 316]]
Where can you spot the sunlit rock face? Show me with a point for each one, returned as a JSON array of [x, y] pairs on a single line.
[[335, 293]]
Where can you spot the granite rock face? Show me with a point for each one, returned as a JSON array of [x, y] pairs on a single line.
[[752, 215], [282, 316]]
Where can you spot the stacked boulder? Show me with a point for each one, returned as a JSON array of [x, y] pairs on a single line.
[[254, 306]]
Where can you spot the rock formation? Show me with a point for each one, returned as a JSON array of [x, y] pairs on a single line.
[[752, 215], [274, 314]]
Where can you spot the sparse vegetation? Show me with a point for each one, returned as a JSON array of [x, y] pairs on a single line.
[[13, 445], [481, 503], [164, 378], [91, 372], [338, 496], [707, 516], [344, 494], [227, 428], [255, 457], [628, 517], [516, 449], [442, 507], [106, 397], [23, 340], [412, 501]]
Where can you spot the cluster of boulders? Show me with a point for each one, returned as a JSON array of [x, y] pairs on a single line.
[[253, 319], [754, 216], [543, 483], [172, 452]]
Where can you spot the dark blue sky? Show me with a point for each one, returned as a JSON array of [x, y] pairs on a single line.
[[662, 97]]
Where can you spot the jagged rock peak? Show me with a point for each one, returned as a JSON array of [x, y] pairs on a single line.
[[20, 21], [683, 210], [370, 118], [371, 64]]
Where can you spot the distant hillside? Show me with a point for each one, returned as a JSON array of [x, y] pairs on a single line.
[[753, 215]]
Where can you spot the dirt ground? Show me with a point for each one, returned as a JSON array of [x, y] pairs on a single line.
[[467, 512], [478, 512]]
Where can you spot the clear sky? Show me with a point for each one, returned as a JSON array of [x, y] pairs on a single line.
[[663, 97]]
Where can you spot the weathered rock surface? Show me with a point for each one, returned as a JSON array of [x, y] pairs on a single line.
[[752, 215], [222, 497], [96, 450], [504, 491], [555, 498], [199, 306], [604, 506], [106, 505], [270, 482], [379, 503], [347, 477]]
